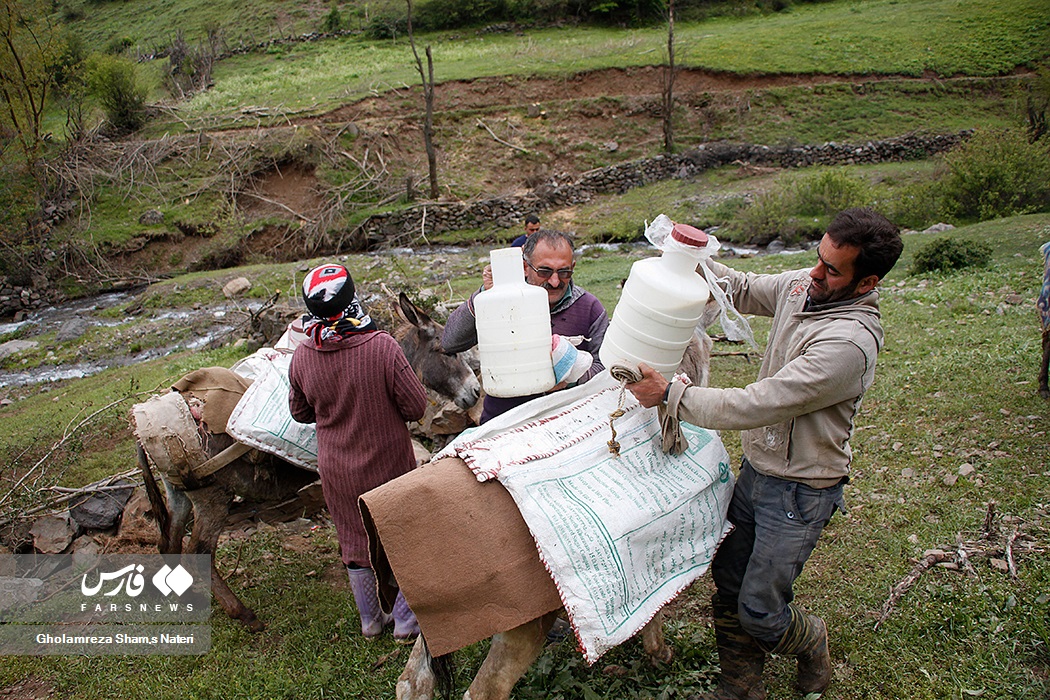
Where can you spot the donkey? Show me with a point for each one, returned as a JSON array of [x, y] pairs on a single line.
[[513, 651], [449, 374], [263, 479], [1043, 304]]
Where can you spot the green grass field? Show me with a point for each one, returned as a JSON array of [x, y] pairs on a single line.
[[878, 37]]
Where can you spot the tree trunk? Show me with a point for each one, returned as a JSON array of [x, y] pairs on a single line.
[[427, 77], [669, 75], [428, 126]]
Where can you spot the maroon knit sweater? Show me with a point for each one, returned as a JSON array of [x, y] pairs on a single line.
[[359, 391]]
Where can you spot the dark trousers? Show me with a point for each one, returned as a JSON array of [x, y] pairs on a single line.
[[777, 525]]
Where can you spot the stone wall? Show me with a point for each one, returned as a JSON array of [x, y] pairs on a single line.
[[395, 228], [16, 302]]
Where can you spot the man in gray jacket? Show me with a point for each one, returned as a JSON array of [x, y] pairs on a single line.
[[796, 421]]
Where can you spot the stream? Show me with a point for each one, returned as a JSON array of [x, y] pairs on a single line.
[[74, 319], [78, 317]]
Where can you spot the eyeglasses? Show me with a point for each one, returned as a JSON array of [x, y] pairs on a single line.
[[545, 273]]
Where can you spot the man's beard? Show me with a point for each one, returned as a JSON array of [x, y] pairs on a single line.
[[819, 295]]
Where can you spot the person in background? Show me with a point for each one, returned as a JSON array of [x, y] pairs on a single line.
[[532, 225], [353, 381], [575, 312], [797, 419]]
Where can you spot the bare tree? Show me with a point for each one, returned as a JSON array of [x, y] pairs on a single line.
[[28, 48], [669, 76], [428, 98]]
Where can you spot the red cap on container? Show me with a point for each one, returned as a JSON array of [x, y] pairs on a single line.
[[688, 235]]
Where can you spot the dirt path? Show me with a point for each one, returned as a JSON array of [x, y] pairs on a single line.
[[514, 91]]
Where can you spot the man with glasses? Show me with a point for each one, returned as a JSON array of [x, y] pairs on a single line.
[[575, 312]]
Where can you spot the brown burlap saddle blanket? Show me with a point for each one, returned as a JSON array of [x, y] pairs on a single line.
[[460, 552]]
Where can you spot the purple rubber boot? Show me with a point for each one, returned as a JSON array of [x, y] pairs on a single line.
[[366, 595], [406, 627]]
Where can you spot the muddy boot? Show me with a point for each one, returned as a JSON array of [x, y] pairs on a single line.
[[807, 640], [406, 627], [366, 595], [739, 656]]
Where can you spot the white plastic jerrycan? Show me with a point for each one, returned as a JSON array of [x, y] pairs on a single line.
[[660, 306], [514, 330]]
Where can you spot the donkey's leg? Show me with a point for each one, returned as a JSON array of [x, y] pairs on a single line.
[[510, 655], [1044, 390], [165, 509], [211, 506], [417, 681], [179, 509], [653, 640]]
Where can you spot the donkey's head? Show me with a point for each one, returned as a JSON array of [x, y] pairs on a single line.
[[448, 374]]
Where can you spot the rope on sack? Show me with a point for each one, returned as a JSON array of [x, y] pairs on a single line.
[[625, 375], [673, 440]]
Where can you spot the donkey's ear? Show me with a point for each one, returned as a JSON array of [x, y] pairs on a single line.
[[413, 314]]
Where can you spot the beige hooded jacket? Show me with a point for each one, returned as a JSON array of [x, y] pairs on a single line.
[[797, 417]]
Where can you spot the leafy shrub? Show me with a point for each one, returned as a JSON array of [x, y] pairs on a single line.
[[449, 14], [333, 21], [18, 211], [118, 45], [722, 212], [829, 191], [997, 173], [916, 205], [387, 25], [798, 208], [771, 215], [69, 64], [114, 83], [946, 254], [72, 13]]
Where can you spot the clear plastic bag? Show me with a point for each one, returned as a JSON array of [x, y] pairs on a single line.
[[734, 325]]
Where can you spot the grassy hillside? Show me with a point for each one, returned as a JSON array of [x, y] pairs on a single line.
[[345, 111], [877, 37]]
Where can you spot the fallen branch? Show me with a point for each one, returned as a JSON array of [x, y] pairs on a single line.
[[293, 212], [423, 227], [960, 559], [68, 494], [905, 584], [499, 140], [254, 316], [963, 558], [68, 434], [991, 529], [1011, 566]]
